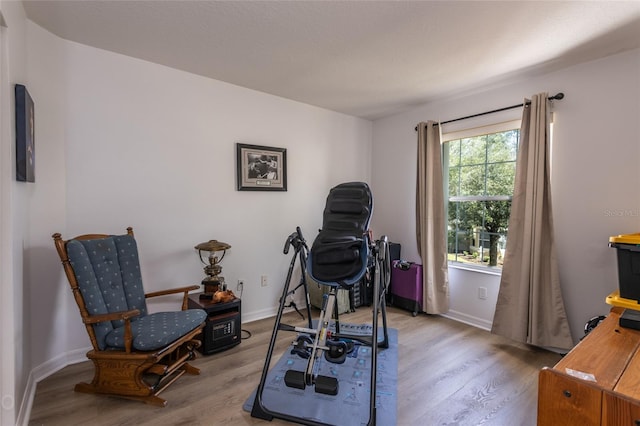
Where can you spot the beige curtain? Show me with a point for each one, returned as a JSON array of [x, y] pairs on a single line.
[[530, 307], [431, 221]]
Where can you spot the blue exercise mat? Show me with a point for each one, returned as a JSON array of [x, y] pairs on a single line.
[[351, 405]]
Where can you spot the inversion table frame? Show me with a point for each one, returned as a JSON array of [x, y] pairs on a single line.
[[379, 253]]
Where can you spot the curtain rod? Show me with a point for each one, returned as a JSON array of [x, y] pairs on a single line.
[[551, 98]]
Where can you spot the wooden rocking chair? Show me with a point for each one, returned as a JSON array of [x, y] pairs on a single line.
[[136, 355]]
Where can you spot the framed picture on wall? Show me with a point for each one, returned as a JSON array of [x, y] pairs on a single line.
[[25, 136], [261, 168]]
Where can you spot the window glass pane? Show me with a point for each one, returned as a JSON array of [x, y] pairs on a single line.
[[471, 215], [500, 178], [454, 153], [496, 221], [472, 180], [458, 234], [473, 150], [502, 146], [496, 216], [454, 181]]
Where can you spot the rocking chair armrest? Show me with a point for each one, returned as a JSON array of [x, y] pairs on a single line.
[[184, 290], [172, 291], [122, 315]]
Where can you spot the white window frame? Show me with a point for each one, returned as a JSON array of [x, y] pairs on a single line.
[[502, 126]]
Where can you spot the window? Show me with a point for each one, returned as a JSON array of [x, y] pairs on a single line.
[[480, 169]]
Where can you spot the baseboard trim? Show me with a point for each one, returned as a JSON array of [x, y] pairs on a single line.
[[469, 320], [263, 313], [258, 315], [43, 371]]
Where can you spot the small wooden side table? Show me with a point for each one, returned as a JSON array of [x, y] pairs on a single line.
[[224, 323]]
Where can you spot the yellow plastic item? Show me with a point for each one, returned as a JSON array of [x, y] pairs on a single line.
[[625, 239], [614, 299]]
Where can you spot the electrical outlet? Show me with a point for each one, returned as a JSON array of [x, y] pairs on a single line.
[[263, 281], [240, 285], [482, 293]]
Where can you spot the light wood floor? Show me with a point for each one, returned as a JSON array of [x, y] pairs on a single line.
[[448, 374]]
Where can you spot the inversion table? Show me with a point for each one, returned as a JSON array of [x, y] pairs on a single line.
[[342, 255]]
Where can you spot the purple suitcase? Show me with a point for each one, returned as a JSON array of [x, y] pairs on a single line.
[[406, 286]]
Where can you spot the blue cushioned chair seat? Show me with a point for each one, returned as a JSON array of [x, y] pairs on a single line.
[[157, 330]]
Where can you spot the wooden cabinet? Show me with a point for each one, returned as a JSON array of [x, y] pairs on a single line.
[[597, 383], [565, 400], [618, 409]]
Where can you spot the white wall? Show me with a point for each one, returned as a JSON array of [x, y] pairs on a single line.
[[137, 144], [48, 301], [14, 226], [595, 172]]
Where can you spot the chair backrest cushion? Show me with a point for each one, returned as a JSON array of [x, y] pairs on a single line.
[[108, 275], [131, 275]]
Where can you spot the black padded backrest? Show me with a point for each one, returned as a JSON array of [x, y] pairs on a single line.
[[339, 252], [348, 209]]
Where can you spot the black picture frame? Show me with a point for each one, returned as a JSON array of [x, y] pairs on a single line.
[[261, 168], [25, 136]]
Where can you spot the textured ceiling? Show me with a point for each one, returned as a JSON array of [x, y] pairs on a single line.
[[367, 59]]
